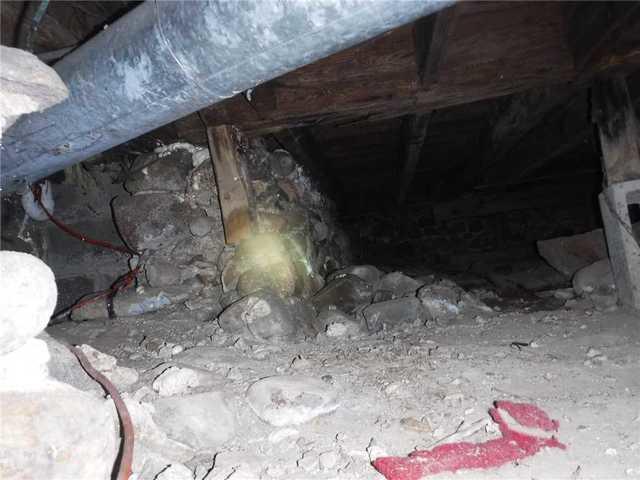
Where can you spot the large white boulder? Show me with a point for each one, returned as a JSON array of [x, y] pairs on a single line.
[[28, 296]]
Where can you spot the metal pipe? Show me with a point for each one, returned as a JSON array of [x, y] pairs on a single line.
[[164, 60]]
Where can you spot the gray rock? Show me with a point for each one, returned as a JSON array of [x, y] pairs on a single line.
[[153, 221], [320, 231], [332, 316], [161, 273], [282, 163], [570, 254], [392, 313], [64, 366], [368, 273], [28, 85], [400, 284], [291, 400], [263, 315], [178, 381], [382, 296], [165, 172], [201, 421], [201, 226], [347, 293], [56, 431], [441, 300], [595, 278], [445, 300], [27, 298], [228, 298], [303, 314]]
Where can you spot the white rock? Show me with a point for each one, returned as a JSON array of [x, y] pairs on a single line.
[[58, 432], [121, 377], [328, 460], [25, 369], [28, 296], [151, 441], [27, 85], [202, 421], [291, 400], [175, 471], [281, 434], [175, 380], [308, 462], [337, 330]]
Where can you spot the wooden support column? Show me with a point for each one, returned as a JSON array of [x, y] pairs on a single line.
[[620, 142], [414, 133], [618, 129], [232, 191], [431, 34]]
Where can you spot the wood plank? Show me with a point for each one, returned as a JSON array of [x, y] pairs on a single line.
[[618, 129], [414, 132], [431, 36], [232, 192], [495, 49]]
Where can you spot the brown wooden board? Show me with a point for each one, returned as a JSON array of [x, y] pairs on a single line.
[[232, 193]]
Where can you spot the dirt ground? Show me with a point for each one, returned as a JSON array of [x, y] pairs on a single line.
[[406, 390]]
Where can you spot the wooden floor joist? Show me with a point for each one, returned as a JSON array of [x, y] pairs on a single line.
[[232, 192]]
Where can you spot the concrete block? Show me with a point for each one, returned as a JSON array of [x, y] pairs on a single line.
[[624, 251]]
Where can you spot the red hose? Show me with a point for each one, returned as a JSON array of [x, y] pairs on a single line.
[[37, 194]]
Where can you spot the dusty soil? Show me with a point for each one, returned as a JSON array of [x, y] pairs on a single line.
[[410, 389]]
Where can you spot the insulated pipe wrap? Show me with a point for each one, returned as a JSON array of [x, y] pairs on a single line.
[[166, 59]]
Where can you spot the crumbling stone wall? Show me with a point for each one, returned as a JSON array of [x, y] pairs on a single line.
[[166, 207], [457, 243], [82, 196]]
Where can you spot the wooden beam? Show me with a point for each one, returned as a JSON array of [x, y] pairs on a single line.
[[232, 191], [486, 57], [414, 132], [431, 35], [594, 29], [618, 129]]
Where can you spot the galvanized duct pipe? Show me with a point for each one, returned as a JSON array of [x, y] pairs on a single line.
[[165, 60]]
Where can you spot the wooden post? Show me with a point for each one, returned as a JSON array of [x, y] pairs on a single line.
[[232, 192], [618, 129], [620, 142]]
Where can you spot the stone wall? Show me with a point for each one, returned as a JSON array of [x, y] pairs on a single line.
[[166, 207], [459, 241]]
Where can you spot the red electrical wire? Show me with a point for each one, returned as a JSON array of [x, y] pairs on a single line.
[[37, 194], [121, 283]]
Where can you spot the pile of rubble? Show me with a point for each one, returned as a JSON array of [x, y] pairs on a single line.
[[583, 259], [172, 215], [190, 400]]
